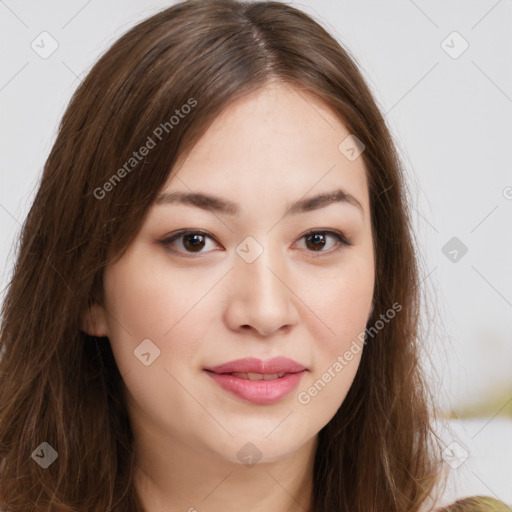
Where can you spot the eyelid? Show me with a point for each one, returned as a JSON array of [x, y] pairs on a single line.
[[338, 235]]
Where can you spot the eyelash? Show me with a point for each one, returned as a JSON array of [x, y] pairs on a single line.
[[167, 241]]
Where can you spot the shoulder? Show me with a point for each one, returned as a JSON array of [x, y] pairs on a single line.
[[476, 504]]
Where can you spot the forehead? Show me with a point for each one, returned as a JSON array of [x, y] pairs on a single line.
[[274, 142]]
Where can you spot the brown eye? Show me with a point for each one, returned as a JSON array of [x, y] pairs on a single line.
[[188, 242], [316, 241], [192, 242]]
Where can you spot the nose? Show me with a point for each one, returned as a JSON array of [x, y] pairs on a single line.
[[261, 296]]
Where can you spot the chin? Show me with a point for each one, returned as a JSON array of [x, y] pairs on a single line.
[[259, 447]]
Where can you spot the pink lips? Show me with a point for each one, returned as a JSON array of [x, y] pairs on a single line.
[[280, 377]]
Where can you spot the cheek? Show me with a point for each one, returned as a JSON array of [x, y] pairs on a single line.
[[153, 302], [154, 333], [341, 301], [137, 302], [341, 304]]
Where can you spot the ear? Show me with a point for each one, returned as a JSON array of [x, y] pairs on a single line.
[[93, 320]]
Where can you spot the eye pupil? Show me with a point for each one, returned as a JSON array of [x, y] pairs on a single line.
[[198, 242], [315, 237]]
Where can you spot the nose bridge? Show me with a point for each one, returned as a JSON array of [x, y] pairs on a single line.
[[257, 265], [262, 297]]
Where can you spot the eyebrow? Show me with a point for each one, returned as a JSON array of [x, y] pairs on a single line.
[[216, 204]]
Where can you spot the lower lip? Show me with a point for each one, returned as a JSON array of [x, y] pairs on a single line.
[[258, 391]]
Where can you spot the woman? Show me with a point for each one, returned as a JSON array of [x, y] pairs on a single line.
[[175, 336]]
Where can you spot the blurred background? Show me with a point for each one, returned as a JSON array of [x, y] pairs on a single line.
[[441, 73]]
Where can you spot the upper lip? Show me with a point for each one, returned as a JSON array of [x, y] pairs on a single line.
[[254, 365]]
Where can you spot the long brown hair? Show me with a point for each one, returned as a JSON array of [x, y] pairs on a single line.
[[61, 386]]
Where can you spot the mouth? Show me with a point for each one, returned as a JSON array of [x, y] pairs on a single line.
[[252, 365], [256, 381], [257, 376]]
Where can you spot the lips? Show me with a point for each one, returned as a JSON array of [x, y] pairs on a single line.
[[257, 381], [257, 366], [258, 376]]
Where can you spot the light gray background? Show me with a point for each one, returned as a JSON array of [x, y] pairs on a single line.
[[450, 117]]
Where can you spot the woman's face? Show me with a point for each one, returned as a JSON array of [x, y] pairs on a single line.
[[252, 284]]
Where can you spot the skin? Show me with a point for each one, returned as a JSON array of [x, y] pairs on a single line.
[[208, 307]]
